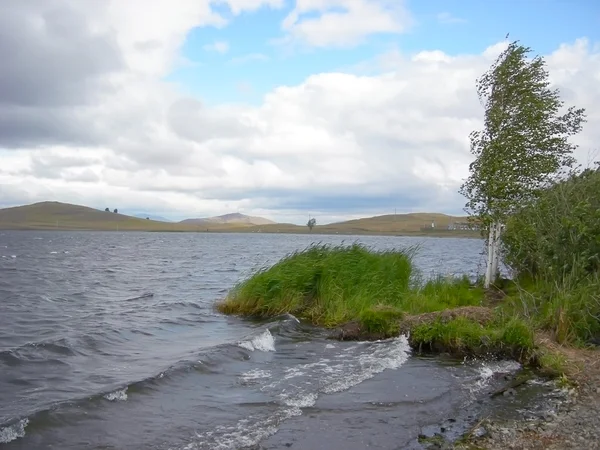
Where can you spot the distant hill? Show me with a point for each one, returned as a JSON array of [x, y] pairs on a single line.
[[152, 217], [392, 224], [64, 216], [233, 218], [56, 215]]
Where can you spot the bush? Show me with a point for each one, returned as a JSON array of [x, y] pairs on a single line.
[[558, 235]]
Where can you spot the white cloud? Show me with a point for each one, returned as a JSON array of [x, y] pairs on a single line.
[[338, 144], [448, 18], [217, 46], [341, 23]]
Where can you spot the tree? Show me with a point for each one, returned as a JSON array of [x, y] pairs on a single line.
[[523, 146], [116, 211], [106, 210], [311, 223]]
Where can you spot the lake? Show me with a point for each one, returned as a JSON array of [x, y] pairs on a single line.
[[110, 341]]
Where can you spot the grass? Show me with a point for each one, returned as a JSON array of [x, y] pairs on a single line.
[[332, 286], [379, 294], [327, 285], [463, 336]]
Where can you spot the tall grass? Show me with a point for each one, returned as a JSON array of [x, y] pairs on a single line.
[[553, 247], [332, 285]]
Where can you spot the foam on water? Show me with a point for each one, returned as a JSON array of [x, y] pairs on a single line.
[[264, 342], [327, 375], [487, 370], [120, 395], [255, 374], [14, 431]]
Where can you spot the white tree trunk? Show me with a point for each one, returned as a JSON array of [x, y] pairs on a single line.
[[493, 257]]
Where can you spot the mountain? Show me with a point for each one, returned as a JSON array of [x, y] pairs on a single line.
[[233, 218], [152, 217]]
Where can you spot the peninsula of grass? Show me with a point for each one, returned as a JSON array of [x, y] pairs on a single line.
[[368, 294]]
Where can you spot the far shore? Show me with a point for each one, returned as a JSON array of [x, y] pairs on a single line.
[[326, 231]]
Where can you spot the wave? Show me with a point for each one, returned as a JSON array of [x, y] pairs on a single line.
[[264, 342], [118, 395], [141, 297], [13, 431], [33, 351], [207, 361]]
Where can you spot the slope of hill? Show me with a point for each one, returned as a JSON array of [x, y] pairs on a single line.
[[393, 224], [56, 215], [152, 217], [64, 216], [233, 218]]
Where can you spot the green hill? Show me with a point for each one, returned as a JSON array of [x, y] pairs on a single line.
[[64, 216], [394, 224]]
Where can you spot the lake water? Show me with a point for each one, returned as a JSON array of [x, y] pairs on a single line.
[[111, 341]]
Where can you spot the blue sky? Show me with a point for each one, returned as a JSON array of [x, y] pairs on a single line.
[[452, 26]]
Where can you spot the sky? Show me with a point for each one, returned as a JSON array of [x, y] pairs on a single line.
[[336, 109]]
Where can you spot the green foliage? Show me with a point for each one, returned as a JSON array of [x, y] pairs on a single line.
[[558, 235], [458, 334], [524, 144], [553, 247], [465, 336], [331, 285], [311, 223], [381, 320], [441, 293], [568, 308]]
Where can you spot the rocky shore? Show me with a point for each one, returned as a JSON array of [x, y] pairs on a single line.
[[573, 424]]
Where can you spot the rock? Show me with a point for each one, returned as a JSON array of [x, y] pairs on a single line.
[[509, 392], [479, 432]]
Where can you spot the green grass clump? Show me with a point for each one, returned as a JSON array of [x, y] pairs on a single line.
[[332, 285], [442, 293], [465, 336], [327, 285], [381, 320]]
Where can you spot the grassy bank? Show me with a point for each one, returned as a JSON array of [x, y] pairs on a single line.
[[376, 294]]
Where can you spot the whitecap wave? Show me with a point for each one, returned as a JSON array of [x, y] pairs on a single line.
[[326, 376], [264, 342], [14, 431], [117, 396]]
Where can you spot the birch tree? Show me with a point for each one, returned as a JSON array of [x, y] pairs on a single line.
[[524, 144]]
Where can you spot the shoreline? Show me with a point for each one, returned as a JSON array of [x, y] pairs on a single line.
[[574, 425], [449, 234]]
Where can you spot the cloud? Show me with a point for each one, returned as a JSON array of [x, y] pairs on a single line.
[[248, 58], [392, 135], [343, 23], [217, 46], [448, 18]]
